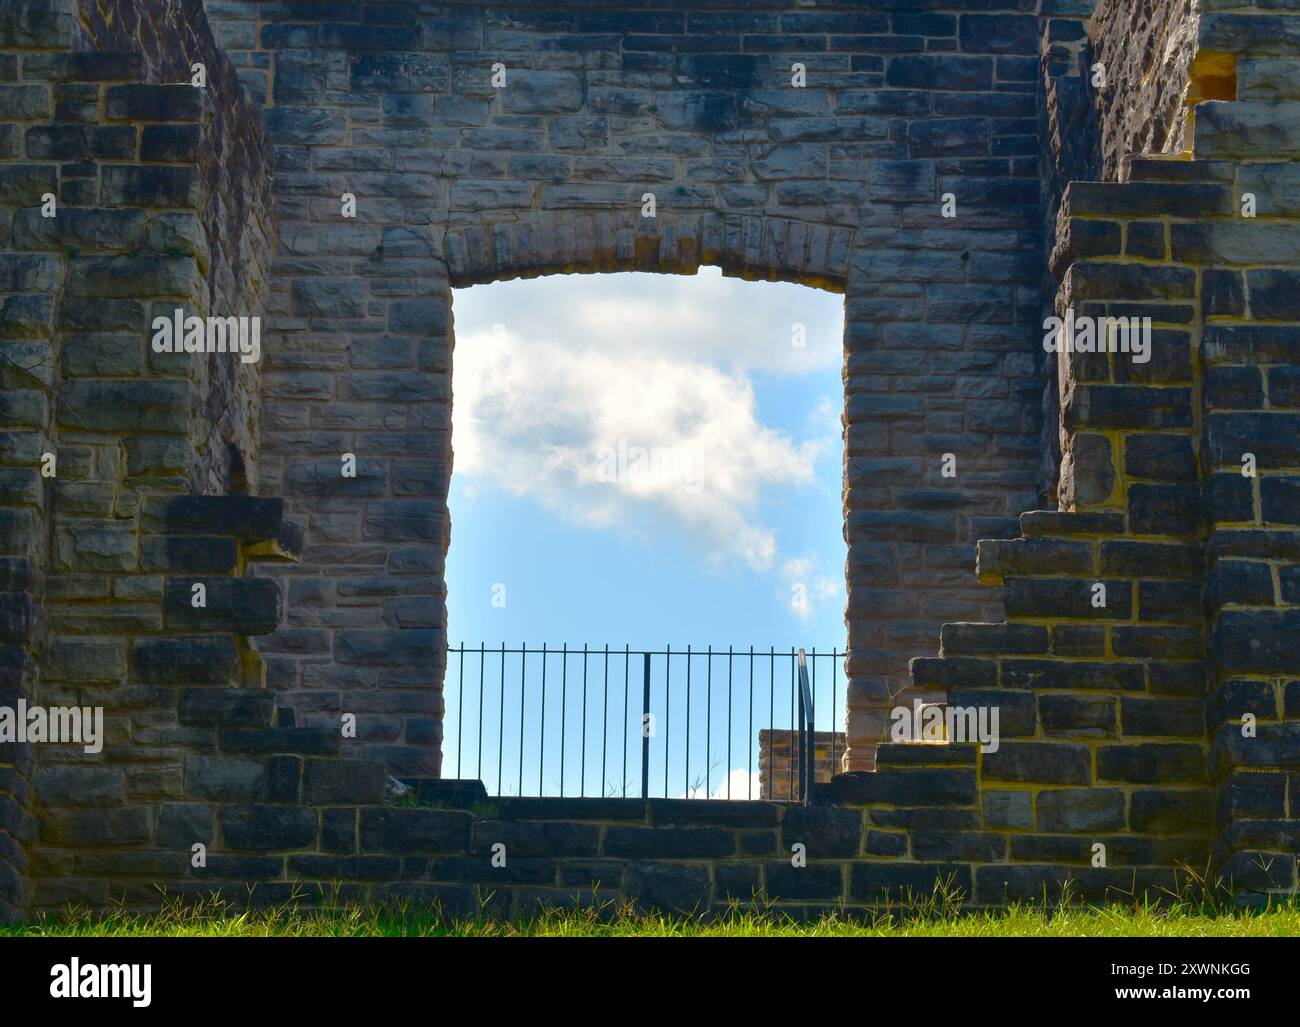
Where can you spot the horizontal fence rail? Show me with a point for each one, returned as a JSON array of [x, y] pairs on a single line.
[[651, 723]]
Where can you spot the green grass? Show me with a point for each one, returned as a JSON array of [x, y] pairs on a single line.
[[937, 916]]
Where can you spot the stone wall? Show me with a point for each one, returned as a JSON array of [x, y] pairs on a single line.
[[160, 200], [225, 190], [837, 185], [1158, 726]]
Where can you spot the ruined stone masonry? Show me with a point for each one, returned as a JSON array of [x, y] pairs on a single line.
[[1136, 160]]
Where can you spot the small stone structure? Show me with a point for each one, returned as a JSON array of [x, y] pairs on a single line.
[[1139, 160], [780, 759]]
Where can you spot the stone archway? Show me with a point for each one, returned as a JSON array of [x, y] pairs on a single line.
[[837, 181]]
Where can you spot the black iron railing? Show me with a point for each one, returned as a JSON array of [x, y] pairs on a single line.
[[807, 735], [634, 722]]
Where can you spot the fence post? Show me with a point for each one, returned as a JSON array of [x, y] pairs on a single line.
[[808, 746], [645, 738]]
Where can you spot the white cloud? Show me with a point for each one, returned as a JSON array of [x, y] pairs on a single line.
[[808, 588], [623, 412], [744, 785], [704, 318]]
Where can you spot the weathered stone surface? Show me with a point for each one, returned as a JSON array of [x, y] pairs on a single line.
[[165, 199], [193, 660], [668, 887], [249, 606], [258, 827], [414, 830], [334, 781]]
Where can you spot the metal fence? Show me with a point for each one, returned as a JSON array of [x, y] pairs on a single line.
[[634, 722]]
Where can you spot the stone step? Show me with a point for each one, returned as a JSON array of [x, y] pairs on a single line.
[[1065, 524], [907, 786], [451, 792], [1253, 35], [1246, 130], [949, 672], [286, 546], [1147, 199], [250, 518], [995, 558], [972, 639], [925, 754], [1268, 78], [1174, 169], [1068, 598]]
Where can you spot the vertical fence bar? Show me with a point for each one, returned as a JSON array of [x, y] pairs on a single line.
[[750, 740], [541, 742], [728, 767], [627, 661], [482, 655], [810, 793], [645, 733], [564, 707], [708, 723], [835, 680], [582, 755], [807, 719], [604, 723], [771, 721], [668, 708], [687, 791], [800, 746], [523, 665], [810, 788], [460, 706], [792, 676], [501, 720]]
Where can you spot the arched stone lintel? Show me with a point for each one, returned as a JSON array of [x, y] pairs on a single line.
[[757, 248]]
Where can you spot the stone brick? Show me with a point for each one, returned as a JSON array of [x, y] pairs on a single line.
[[813, 881], [667, 887], [250, 606], [248, 517], [1151, 763], [224, 779], [140, 102], [535, 839], [414, 830], [235, 706], [661, 842], [1039, 762], [199, 554], [192, 660], [826, 832], [72, 785], [913, 787], [258, 827], [1008, 809], [879, 882]]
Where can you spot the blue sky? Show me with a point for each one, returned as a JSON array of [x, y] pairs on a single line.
[[649, 460]]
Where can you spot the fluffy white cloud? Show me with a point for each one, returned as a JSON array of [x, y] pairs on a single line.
[[743, 784], [808, 587], [629, 409], [704, 318]]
